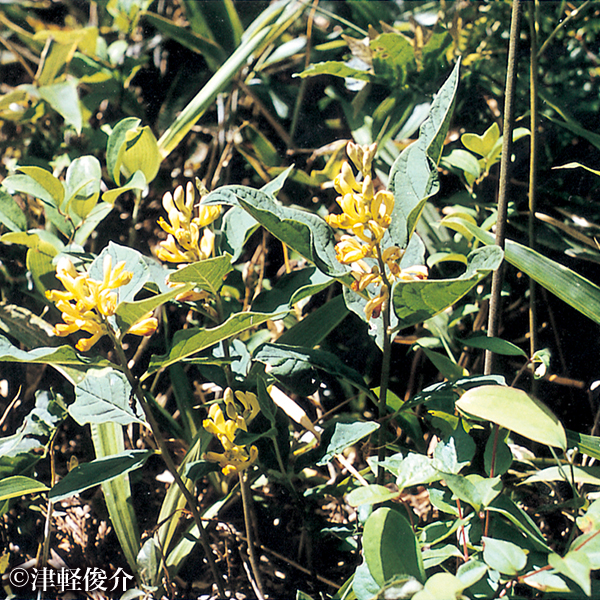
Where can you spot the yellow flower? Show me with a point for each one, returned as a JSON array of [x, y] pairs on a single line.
[[348, 250], [187, 240], [87, 302], [375, 305], [236, 457]]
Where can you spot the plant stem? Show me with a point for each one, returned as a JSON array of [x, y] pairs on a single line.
[[246, 504], [511, 80], [170, 464], [385, 367], [533, 102]]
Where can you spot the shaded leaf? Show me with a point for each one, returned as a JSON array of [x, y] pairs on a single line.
[[63, 98], [390, 547], [98, 471], [11, 215], [190, 341], [494, 344]]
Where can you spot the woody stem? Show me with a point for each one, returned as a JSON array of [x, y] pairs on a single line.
[[170, 464]]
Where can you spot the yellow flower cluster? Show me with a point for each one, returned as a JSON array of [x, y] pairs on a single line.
[[367, 215], [86, 303], [235, 458], [184, 243]]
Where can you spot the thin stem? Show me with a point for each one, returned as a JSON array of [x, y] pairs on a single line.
[[511, 80], [246, 505], [385, 366], [533, 101], [562, 24], [135, 215], [166, 456]]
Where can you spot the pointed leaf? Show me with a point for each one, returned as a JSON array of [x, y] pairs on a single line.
[[337, 69], [569, 286], [413, 176], [305, 232], [98, 471], [11, 215], [390, 547], [417, 301], [346, 435], [104, 396], [116, 140], [17, 486], [207, 274], [575, 566], [190, 341], [63, 98], [496, 345], [513, 409]]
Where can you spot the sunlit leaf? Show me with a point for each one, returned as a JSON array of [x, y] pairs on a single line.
[[105, 396], [515, 410], [207, 274], [505, 557], [346, 435], [370, 494], [17, 486], [418, 300]]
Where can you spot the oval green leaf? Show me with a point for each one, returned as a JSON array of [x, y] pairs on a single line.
[[390, 547], [505, 557], [370, 494], [514, 410]]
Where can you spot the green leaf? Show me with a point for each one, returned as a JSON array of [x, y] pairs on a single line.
[[139, 152], [291, 288], [82, 183], [392, 55], [432, 557], [62, 355], [11, 215], [297, 364], [575, 566], [305, 232], [108, 439], [136, 182], [337, 69], [513, 409], [261, 32], [129, 313], [416, 301], [581, 475], [104, 396], [63, 98], [346, 435], [413, 176], [505, 557], [441, 586], [588, 444], [471, 572], [494, 344], [482, 144], [474, 489], [38, 182], [572, 288], [190, 341], [464, 161], [17, 486], [208, 48], [416, 469], [236, 229], [497, 449], [390, 547], [576, 165], [370, 494], [98, 471], [207, 274], [114, 145], [92, 220], [448, 368], [363, 584]]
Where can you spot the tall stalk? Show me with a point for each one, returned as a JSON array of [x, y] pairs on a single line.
[[511, 81]]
